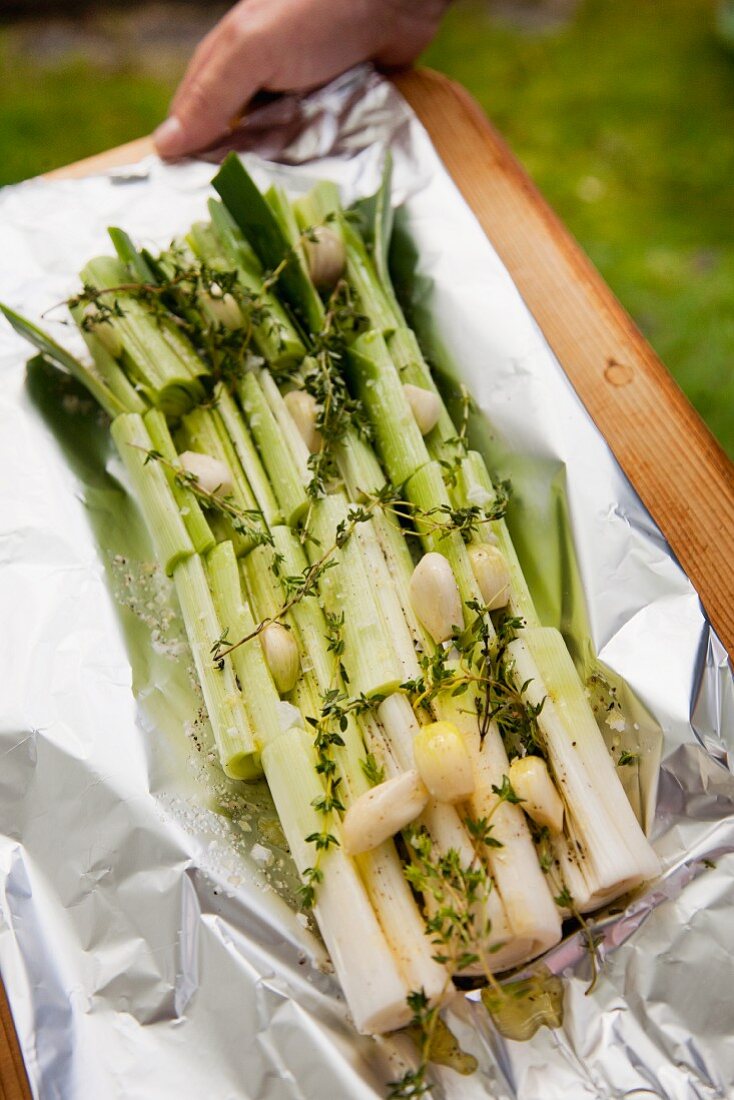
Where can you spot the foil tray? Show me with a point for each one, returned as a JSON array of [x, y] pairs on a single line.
[[148, 939]]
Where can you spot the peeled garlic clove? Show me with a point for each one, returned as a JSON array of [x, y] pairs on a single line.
[[303, 408], [435, 597], [212, 476], [222, 306], [532, 783], [443, 762], [282, 656], [382, 812], [103, 330], [325, 256], [425, 405], [491, 573]]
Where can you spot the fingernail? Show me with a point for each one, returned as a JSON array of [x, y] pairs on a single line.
[[168, 137]]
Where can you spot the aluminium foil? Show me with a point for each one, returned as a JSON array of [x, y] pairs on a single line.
[[148, 939]]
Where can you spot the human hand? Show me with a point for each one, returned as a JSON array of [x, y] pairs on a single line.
[[285, 46]]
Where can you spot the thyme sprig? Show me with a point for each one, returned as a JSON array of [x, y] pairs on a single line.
[[505, 702], [443, 520], [245, 521], [373, 771], [322, 377], [301, 585], [456, 924], [565, 900], [452, 467], [482, 663], [183, 285], [92, 295], [466, 520], [329, 729], [227, 350], [413, 1083]]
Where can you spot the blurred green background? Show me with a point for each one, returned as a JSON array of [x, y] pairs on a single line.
[[621, 110]]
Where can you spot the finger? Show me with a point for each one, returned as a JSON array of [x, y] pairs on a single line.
[[215, 40], [213, 93]]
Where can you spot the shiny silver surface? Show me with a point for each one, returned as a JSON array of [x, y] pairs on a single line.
[[146, 940]]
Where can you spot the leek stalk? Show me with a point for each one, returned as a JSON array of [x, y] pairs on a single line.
[[282, 471], [205, 432], [373, 665], [255, 218], [234, 737], [260, 695], [187, 501], [160, 359], [246, 452], [152, 491], [102, 390], [616, 854], [398, 439]]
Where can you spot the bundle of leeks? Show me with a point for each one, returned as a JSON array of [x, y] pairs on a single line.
[[360, 624]]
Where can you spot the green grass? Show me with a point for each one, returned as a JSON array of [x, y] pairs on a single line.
[[623, 117], [52, 114]]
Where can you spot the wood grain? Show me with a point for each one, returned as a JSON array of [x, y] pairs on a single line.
[[110, 158], [680, 472], [13, 1080]]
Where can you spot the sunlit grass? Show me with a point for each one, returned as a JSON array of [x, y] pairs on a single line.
[[624, 119], [52, 114]]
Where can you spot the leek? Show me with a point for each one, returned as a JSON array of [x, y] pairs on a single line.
[[256, 220], [160, 359], [282, 471], [246, 452], [259, 693], [613, 851], [153, 492], [380, 869], [398, 439], [234, 737], [90, 377], [368, 971], [273, 334], [186, 499], [373, 665], [205, 432]]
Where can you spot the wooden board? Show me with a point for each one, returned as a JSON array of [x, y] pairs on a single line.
[[679, 470], [13, 1080]]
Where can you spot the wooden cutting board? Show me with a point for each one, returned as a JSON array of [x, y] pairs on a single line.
[[677, 467]]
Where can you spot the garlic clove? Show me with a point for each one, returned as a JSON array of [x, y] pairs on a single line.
[[325, 255], [304, 409], [282, 656], [383, 811], [425, 405], [492, 574], [435, 597], [531, 781], [443, 762], [103, 330], [212, 475], [222, 307]]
